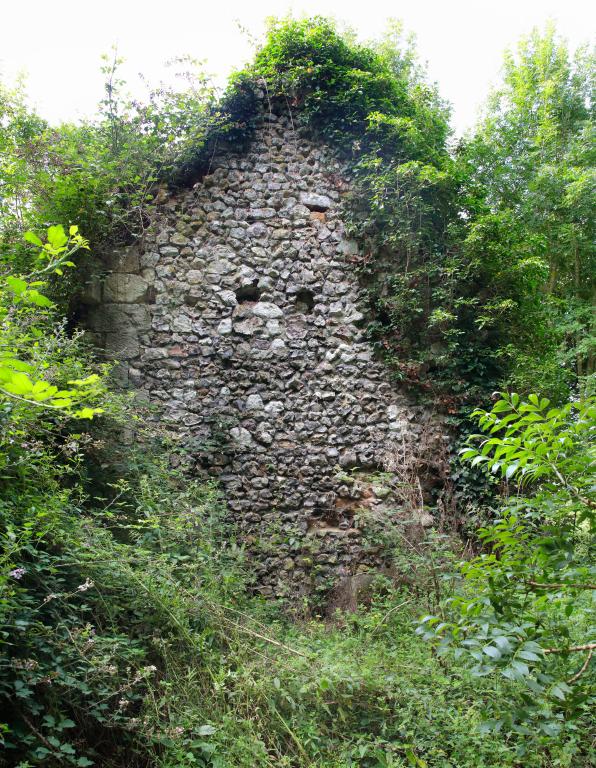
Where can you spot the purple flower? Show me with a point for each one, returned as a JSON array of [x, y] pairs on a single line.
[[17, 574]]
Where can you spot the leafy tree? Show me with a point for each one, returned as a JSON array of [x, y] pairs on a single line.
[[528, 173], [102, 173], [525, 609], [24, 317]]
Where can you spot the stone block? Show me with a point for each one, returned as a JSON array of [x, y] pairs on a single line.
[[224, 328], [315, 202], [91, 293], [123, 345], [254, 403], [267, 310], [120, 318], [241, 437], [248, 327], [258, 214], [124, 260], [123, 288]]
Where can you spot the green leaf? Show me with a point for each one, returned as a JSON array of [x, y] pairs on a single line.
[[20, 384], [467, 453], [88, 413], [414, 760], [520, 667], [35, 297], [511, 470], [62, 402], [16, 285], [32, 238], [528, 655], [558, 692], [57, 236], [491, 651]]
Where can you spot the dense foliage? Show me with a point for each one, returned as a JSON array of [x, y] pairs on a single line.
[[129, 635], [529, 189], [526, 608], [389, 125], [101, 174], [480, 264]]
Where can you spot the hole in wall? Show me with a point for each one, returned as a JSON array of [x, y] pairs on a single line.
[[248, 293], [338, 518], [305, 301], [363, 462], [371, 465]]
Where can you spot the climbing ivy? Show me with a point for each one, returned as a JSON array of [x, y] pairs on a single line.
[[390, 127], [471, 283]]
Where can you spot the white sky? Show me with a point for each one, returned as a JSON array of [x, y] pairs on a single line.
[[58, 43]]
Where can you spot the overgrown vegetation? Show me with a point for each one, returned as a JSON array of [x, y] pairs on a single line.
[[128, 631], [480, 261], [526, 608], [528, 184]]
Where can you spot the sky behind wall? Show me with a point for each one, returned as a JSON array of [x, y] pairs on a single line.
[[58, 43]]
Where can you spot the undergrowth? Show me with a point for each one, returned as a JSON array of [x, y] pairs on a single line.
[[137, 643]]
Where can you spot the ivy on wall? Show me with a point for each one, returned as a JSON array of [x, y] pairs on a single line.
[[471, 283]]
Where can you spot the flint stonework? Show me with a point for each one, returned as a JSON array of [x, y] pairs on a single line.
[[239, 316]]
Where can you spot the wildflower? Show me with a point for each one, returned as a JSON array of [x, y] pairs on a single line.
[[17, 573], [84, 587], [49, 597]]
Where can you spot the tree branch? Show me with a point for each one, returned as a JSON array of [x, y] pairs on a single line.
[[572, 584], [572, 648], [582, 669]]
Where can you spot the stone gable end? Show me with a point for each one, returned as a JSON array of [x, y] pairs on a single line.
[[240, 317]]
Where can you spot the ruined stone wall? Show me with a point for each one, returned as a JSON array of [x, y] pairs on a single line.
[[239, 317]]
